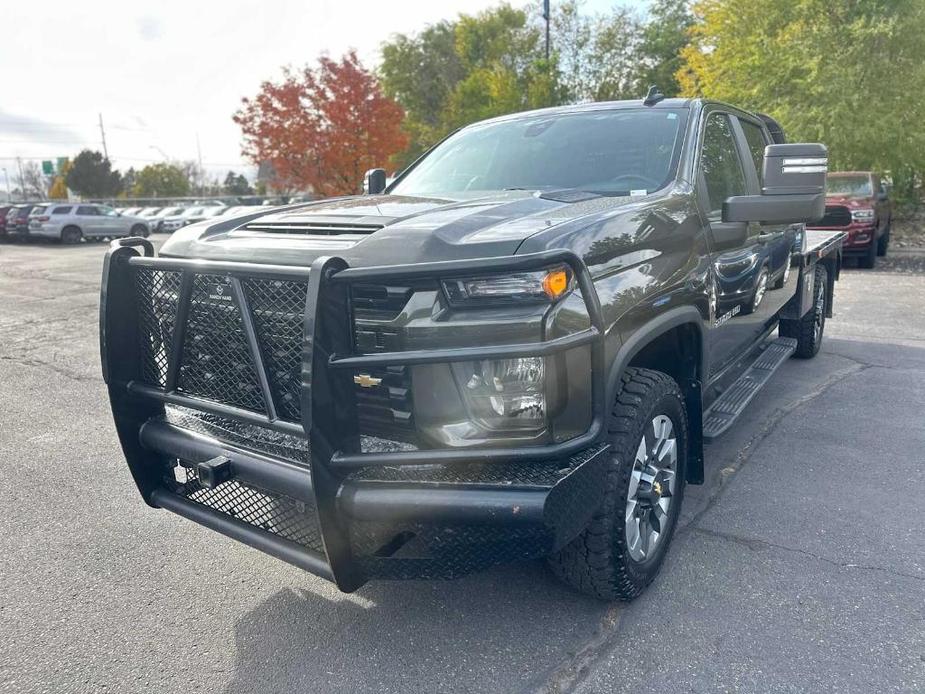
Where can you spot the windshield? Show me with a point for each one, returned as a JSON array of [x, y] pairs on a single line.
[[616, 152], [850, 186]]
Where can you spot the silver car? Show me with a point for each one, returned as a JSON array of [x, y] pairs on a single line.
[[72, 222]]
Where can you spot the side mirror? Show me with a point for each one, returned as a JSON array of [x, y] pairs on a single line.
[[374, 182], [793, 187]]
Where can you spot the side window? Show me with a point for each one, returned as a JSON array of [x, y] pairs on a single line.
[[719, 162], [87, 211], [62, 210], [756, 140]]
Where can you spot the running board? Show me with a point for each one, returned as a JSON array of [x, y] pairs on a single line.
[[725, 410]]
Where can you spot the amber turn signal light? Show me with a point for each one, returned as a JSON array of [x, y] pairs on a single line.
[[555, 283]]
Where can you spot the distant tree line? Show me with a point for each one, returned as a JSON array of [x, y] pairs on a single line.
[[91, 175]]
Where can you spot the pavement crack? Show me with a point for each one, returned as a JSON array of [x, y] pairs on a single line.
[[568, 674], [754, 544], [37, 363]]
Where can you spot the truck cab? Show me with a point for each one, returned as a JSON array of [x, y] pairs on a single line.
[[515, 349]]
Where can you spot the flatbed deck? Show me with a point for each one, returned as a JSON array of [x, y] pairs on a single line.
[[819, 242]]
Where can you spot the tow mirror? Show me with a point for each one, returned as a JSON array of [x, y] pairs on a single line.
[[793, 188], [374, 182]]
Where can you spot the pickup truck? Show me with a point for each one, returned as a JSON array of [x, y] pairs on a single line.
[[858, 204], [517, 349]]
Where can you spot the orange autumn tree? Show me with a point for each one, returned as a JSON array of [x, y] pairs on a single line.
[[322, 128]]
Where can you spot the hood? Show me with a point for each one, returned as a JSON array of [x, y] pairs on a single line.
[[386, 229]]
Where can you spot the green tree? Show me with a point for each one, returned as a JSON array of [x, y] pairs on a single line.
[[847, 74], [658, 56], [236, 184], [92, 176], [477, 67], [161, 180]]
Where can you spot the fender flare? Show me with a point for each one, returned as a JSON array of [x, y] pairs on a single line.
[[661, 324]]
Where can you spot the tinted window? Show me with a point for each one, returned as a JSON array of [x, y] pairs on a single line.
[[86, 210], [720, 163], [754, 135], [38, 209], [611, 152], [62, 210]]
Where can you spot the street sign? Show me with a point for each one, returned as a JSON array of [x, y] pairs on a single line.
[[62, 163], [48, 167]]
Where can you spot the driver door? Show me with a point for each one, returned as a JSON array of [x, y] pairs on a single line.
[[736, 250]]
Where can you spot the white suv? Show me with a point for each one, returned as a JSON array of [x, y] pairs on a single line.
[[72, 222]]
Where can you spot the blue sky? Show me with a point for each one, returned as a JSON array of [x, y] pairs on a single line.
[[163, 73]]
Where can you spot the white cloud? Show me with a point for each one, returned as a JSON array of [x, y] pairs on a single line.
[[176, 69]]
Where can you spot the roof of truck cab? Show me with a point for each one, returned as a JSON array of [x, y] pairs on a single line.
[[590, 106]]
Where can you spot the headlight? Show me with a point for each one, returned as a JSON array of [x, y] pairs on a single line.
[[504, 394], [542, 286], [862, 215]]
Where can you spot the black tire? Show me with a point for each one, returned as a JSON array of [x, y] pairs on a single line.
[[809, 329], [883, 243], [71, 234], [598, 562], [868, 261], [140, 230]]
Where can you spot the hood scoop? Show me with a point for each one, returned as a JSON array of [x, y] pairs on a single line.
[[317, 228]]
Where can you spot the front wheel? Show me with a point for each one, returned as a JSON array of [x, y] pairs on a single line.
[[624, 545]]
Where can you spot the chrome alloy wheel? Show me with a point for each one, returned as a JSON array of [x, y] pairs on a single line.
[[819, 318], [761, 288], [651, 488]]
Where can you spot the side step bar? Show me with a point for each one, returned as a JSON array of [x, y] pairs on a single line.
[[725, 410]]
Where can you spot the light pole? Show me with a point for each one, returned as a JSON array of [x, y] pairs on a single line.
[[546, 17], [9, 195]]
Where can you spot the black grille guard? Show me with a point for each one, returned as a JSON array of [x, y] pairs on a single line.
[[328, 407]]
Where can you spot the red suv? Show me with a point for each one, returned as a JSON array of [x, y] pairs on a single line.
[[857, 202]]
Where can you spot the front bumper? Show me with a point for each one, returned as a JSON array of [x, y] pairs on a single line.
[[307, 492]]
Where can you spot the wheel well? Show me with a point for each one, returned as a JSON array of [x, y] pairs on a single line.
[[678, 352]]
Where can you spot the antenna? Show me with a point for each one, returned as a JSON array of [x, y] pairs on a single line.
[[653, 97]]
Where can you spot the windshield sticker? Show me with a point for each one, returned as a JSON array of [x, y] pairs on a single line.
[[637, 193]]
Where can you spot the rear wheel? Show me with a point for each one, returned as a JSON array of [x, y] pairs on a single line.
[[624, 545], [140, 230], [808, 329], [71, 235]]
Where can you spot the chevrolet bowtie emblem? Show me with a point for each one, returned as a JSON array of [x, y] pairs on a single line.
[[366, 381]]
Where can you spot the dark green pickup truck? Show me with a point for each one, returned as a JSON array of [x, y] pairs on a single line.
[[517, 349]]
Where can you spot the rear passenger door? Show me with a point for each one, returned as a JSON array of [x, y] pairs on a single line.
[[90, 220]]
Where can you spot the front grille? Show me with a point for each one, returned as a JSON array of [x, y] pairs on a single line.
[[217, 363], [312, 228], [835, 216], [157, 292], [292, 519], [385, 410]]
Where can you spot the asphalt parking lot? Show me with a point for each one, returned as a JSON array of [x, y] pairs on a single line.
[[800, 565]]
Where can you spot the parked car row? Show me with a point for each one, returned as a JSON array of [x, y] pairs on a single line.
[[70, 222]]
